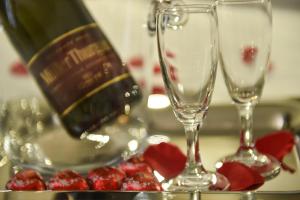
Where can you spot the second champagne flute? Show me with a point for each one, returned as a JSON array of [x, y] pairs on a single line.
[[245, 29]]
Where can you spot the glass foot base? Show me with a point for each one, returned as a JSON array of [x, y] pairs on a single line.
[[205, 181], [266, 165]]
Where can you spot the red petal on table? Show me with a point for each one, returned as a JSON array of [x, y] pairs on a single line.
[[136, 62], [165, 158], [158, 90], [170, 54], [277, 144], [18, 68], [156, 69], [249, 54], [241, 177]]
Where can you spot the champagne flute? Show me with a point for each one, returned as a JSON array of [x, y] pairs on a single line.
[[190, 32], [245, 30]]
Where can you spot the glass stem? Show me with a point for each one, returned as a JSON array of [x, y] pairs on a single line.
[[246, 118], [193, 164]]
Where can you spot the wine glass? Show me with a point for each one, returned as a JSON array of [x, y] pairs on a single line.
[[190, 32], [245, 30]]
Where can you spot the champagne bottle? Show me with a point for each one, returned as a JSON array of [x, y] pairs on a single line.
[[72, 61]]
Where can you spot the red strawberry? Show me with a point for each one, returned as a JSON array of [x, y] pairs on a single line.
[[249, 54], [106, 178], [67, 180], [132, 168], [26, 180], [141, 182]]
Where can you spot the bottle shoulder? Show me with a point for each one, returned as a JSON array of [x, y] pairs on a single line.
[[32, 24]]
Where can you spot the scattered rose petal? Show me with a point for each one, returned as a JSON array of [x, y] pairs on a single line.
[[170, 54], [277, 144], [136, 62], [18, 68], [240, 176], [156, 69], [165, 158], [158, 90], [249, 54]]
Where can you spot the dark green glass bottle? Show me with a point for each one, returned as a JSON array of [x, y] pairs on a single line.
[[72, 61]]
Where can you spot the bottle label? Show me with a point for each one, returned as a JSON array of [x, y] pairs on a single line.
[[75, 66]]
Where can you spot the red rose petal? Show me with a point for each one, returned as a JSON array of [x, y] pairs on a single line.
[[136, 62], [249, 54], [156, 69], [158, 90], [277, 144], [165, 158], [170, 54], [240, 176], [18, 68]]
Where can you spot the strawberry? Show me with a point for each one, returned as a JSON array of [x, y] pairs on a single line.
[[26, 180], [67, 180], [141, 182], [105, 178]]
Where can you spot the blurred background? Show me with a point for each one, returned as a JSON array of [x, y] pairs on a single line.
[[125, 23]]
